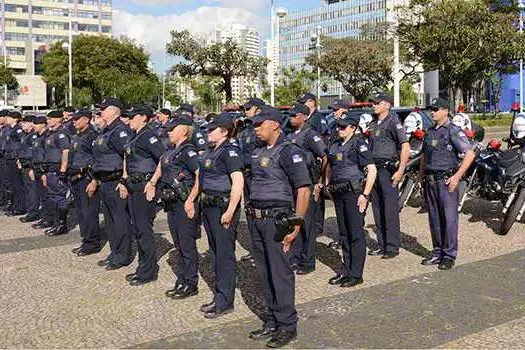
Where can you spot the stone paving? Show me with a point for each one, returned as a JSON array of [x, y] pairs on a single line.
[[49, 298]]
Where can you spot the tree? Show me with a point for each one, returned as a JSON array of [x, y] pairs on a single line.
[[7, 78], [209, 93], [361, 66], [292, 85], [224, 60], [103, 66]]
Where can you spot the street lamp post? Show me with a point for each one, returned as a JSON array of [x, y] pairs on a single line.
[[4, 51], [69, 47], [521, 6], [274, 35], [318, 48]]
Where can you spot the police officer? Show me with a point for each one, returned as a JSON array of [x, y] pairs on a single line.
[[56, 146], [68, 122], [163, 117], [108, 154], [143, 153], [14, 136], [441, 171], [248, 141], [222, 187], [25, 164], [199, 136], [47, 212], [314, 149], [390, 151], [80, 175], [350, 158], [279, 174], [178, 173], [3, 128]]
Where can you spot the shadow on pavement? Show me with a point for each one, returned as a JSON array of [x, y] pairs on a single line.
[[484, 211]]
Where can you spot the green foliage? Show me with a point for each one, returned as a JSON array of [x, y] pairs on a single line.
[[223, 60], [7, 78], [407, 94], [103, 66], [209, 93], [292, 85], [361, 66], [489, 120]]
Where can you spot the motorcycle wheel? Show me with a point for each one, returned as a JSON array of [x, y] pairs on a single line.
[[512, 213], [463, 191], [406, 190]]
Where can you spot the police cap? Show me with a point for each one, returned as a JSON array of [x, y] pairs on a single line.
[[268, 113], [28, 118], [4, 113], [186, 107], [15, 114], [138, 109], [349, 118], [82, 113], [299, 108], [222, 120], [110, 101], [306, 97], [254, 101], [178, 121], [382, 96], [338, 104], [438, 103], [39, 119], [69, 109], [54, 114], [165, 111]]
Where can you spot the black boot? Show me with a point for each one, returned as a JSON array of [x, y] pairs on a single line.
[[30, 217], [9, 203], [61, 228], [55, 224], [42, 224]]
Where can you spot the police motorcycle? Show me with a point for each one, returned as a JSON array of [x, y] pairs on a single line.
[[414, 130]]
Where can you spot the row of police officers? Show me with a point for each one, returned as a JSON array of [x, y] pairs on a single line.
[[126, 159]]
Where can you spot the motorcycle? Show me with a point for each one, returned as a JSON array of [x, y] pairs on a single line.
[[408, 184]]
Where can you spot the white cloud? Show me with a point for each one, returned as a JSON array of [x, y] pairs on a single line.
[[154, 31]]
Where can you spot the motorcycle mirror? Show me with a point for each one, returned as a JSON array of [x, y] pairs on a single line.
[[494, 144], [419, 134]]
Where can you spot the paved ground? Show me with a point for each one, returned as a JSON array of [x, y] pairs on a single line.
[[51, 299]]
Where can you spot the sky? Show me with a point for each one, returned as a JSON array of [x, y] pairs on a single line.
[[149, 22]]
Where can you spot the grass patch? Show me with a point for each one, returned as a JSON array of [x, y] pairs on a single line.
[[488, 120]]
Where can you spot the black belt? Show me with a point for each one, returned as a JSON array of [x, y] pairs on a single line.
[[26, 163], [108, 176], [432, 175], [265, 213], [136, 178], [212, 200], [356, 186]]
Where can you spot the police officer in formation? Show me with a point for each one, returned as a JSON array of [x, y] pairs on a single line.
[[143, 153], [313, 147], [349, 160], [24, 164], [108, 167], [177, 182], [390, 152], [163, 117], [280, 185], [441, 170], [80, 175], [14, 185], [222, 185], [3, 128]]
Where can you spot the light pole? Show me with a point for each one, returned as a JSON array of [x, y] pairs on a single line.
[[4, 51], [318, 48], [521, 6], [67, 46], [274, 34]]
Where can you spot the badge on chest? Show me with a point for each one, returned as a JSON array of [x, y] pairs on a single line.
[[128, 151], [100, 141], [434, 143], [207, 164], [265, 162], [339, 156], [248, 140], [377, 132], [75, 145]]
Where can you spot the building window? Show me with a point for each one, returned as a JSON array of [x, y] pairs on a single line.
[[16, 36], [106, 29], [19, 51], [87, 27], [16, 8]]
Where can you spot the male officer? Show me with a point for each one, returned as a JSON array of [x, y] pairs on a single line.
[[279, 171], [67, 121], [56, 146], [389, 147], [14, 135], [441, 170], [108, 154], [314, 149], [25, 165], [3, 198], [80, 175], [163, 117], [248, 141]]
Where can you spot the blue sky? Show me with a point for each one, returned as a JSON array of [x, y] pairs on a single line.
[[149, 22]]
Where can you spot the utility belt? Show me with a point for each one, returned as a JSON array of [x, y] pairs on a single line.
[[43, 168], [136, 178], [108, 176], [247, 170], [26, 163], [215, 200], [269, 213], [285, 219], [356, 186], [389, 165], [171, 195], [80, 174], [437, 175]]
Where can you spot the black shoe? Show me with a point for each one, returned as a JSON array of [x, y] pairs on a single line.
[[111, 267], [281, 338], [262, 333], [377, 252], [247, 257], [61, 227], [30, 217], [15, 213], [42, 224], [104, 262], [50, 230], [76, 250], [171, 292], [140, 281], [335, 245], [433, 260], [216, 313], [351, 282], [83, 252], [186, 291], [208, 307], [446, 264], [130, 276], [337, 279], [304, 270], [389, 255]]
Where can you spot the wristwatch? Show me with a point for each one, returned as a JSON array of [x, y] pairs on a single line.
[[367, 197]]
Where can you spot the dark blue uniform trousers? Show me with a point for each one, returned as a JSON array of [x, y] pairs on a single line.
[[142, 217], [17, 186], [32, 192], [443, 218], [3, 195], [185, 232], [87, 210], [304, 246], [57, 190], [386, 211], [277, 276], [247, 191], [48, 207], [118, 223], [319, 215], [224, 263], [353, 236], [340, 217]]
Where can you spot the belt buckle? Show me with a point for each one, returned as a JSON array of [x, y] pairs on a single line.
[[258, 213]]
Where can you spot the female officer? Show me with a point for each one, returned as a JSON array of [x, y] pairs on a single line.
[[349, 160], [142, 156], [221, 185], [178, 172]]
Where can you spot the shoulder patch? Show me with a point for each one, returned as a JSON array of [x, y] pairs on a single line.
[[198, 134], [61, 136], [19, 131], [363, 148], [192, 153], [323, 121], [201, 142], [399, 126], [123, 134], [153, 140], [296, 158], [232, 153], [317, 138]]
